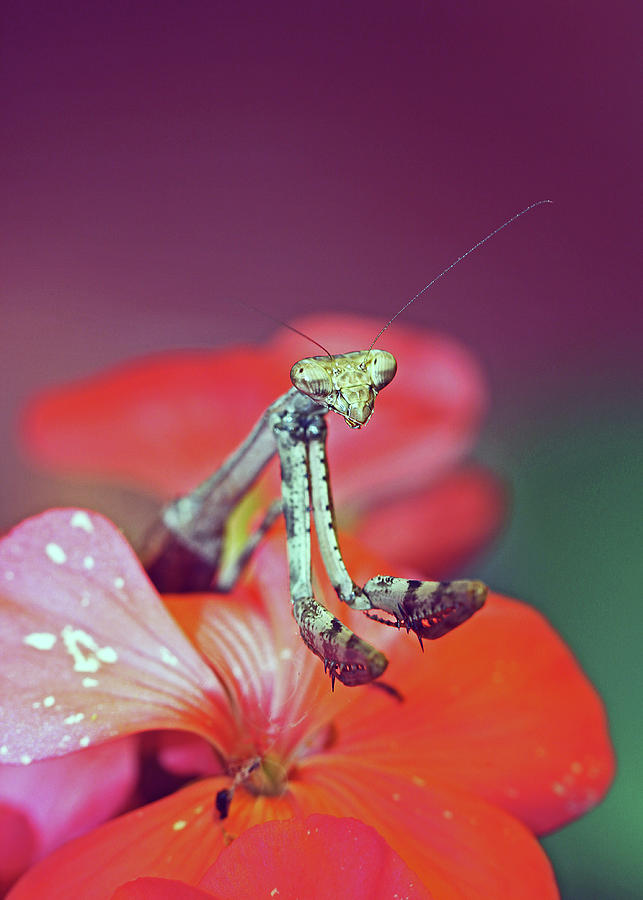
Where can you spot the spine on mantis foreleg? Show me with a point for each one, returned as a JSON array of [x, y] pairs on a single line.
[[345, 655]]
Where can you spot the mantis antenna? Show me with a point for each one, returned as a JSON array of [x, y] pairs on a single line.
[[456, 261], [285, 324]]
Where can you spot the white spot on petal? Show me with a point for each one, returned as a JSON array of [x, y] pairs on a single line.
[[25, 759], [274, 892], [9, 575], [90, 682], [107, 654], [447, 813], [56, 554], [76, 641], [119, 582], [36, 705], [40, 640], [74, 718], [49, 701], [4, 750], [168, 657], [179, 825], [88, 562], [286, 653], [84, 741], [80, 519]]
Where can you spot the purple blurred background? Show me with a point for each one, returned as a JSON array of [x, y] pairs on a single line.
[[161, 158]]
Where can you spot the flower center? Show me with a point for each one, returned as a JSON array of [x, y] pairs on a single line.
[[269, 774], [269, 777]]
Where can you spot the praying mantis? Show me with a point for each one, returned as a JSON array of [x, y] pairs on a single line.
[[185, 550]]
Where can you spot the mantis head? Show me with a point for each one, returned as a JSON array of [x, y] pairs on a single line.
[[347, 383]]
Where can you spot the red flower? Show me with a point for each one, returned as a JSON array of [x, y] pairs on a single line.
[[498, 732], [168, 422]]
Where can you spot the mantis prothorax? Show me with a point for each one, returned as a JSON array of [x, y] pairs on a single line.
[[186, 551]]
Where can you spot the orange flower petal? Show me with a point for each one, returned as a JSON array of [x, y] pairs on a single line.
[[499, 707]]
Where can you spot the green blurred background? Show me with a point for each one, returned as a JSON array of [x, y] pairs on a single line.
[[161, 158], [573, 549]]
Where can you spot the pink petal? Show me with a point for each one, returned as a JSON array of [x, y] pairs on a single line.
[[80, 792], [88, 650], [320, 856]]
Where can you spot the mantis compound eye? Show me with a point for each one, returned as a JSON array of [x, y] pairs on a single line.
[[311, 378], [382, 367]]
